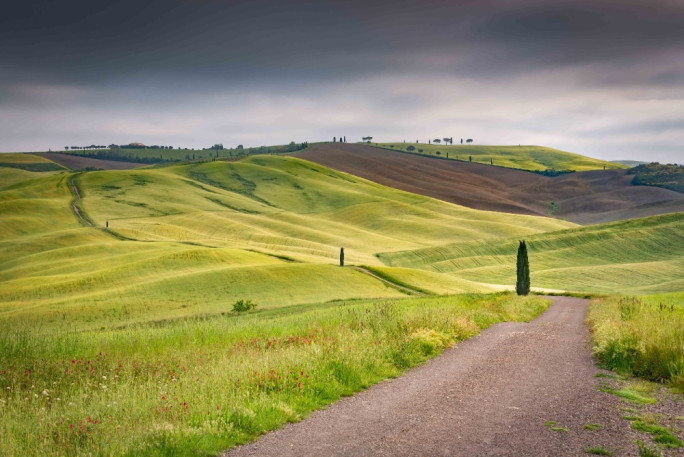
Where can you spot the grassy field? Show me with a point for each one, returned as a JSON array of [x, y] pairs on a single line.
[[641, 336], [198, 386], [190, 239], [634, 256], [28, 162], [524, 157], [119, 337]]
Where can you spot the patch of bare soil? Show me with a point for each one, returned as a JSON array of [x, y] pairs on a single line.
[[585, 197], [78, 163], [515, 390]]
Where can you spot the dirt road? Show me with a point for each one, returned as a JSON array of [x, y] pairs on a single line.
[[489, 396]]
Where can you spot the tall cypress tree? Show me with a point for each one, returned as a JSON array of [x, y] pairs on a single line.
[[522, 284]]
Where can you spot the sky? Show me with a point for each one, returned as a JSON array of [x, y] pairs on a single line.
[[603, 78]]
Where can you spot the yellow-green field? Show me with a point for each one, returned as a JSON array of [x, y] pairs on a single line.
[[117, 329], [524, 157], [633, 256], [15, 167], [192, 239]]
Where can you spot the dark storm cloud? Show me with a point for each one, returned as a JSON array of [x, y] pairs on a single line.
[[512, 71], [308, 40]]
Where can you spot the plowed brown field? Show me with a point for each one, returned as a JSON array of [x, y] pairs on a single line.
[[76, 162], [588, 197]]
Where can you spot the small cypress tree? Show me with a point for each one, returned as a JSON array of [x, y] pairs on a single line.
[[522, 284], [341, 257]]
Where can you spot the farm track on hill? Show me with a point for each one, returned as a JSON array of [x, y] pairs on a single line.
[[78, 162], [589, 197], [73, 187], [489, 396], [399, 287]]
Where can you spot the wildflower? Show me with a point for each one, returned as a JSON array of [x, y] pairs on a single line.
[[46, 393], [104, 377], [104, 387]]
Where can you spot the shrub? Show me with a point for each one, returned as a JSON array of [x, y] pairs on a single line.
[[243, 305], [410, 148]]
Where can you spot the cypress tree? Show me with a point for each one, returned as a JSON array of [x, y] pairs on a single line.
[[341, 257], [522, 284]]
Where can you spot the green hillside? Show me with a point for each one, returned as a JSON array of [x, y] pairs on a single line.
[[524, 157], [191, 239], [634, 256]]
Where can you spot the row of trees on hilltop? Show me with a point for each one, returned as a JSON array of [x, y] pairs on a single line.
[[449, 140], [111, 146]]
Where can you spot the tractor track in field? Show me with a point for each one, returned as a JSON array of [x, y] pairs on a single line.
[[517, 389], [393, 285], [73, 187]]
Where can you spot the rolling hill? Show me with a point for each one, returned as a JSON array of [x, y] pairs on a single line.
[[635, 256], [588, 197], [190, 239], [522, 157]]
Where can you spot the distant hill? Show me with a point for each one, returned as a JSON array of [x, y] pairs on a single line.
[[523, 157], [629, 163], [588, 197], [28, 162], [141, 154]]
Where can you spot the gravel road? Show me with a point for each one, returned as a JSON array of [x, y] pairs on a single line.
[[489, 396]]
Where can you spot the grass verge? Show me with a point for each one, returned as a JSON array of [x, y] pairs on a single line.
[[641, 336], [199, 386]]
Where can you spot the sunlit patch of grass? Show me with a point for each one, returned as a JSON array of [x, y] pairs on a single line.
[[628, 395], [661, 435], [592, 426], [598, 450]]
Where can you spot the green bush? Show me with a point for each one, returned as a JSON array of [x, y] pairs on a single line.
[[243, 305]]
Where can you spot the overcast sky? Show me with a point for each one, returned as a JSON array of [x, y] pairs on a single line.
[[603, 78]]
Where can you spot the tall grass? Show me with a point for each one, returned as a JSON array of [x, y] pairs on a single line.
[[196, 387], [641, 336]]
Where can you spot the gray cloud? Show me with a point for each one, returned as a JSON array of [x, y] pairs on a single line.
[[580, 75]]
